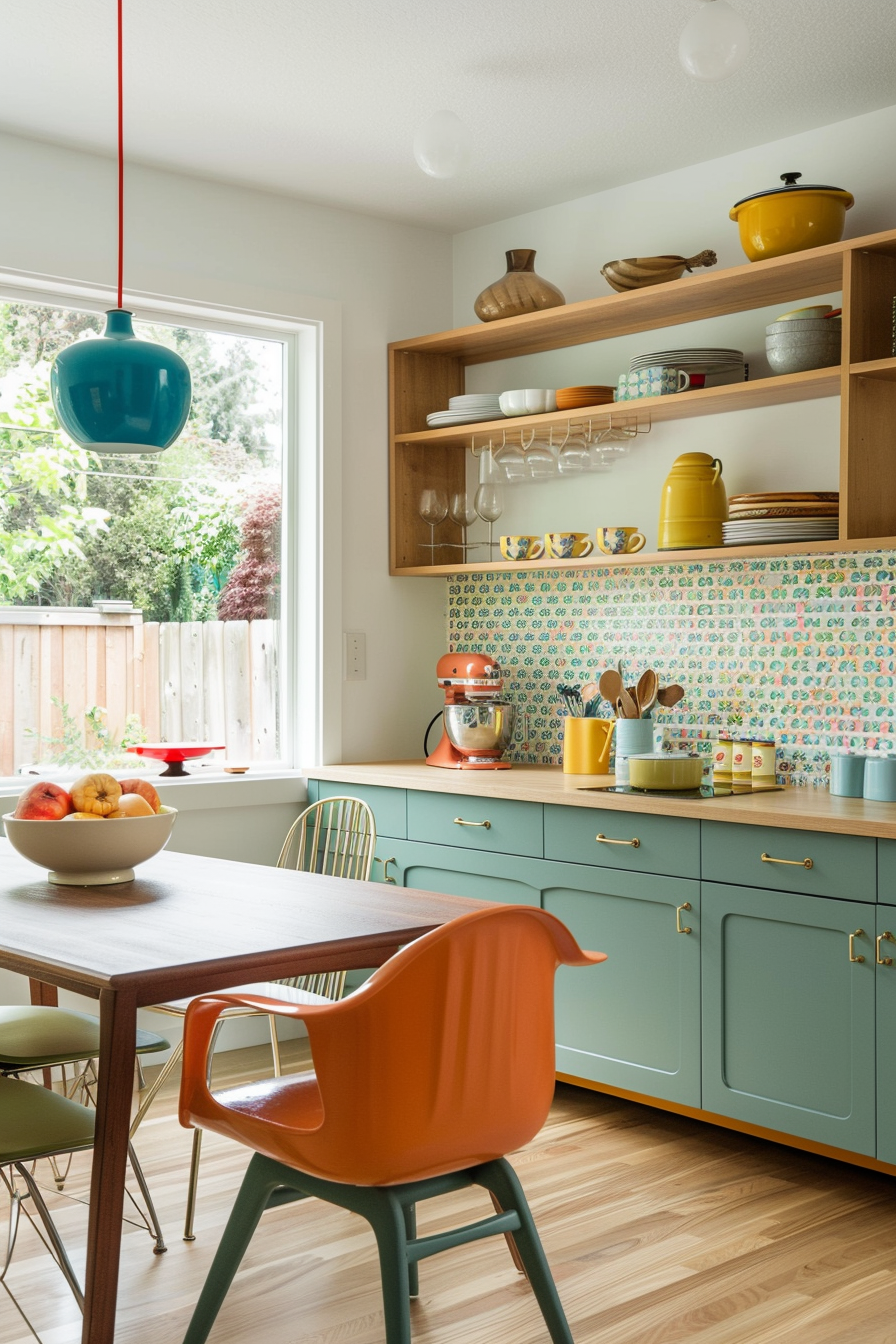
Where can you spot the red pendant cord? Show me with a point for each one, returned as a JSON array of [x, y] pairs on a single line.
[[120, 164]]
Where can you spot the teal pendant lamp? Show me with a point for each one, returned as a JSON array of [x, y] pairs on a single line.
[[115, 392]]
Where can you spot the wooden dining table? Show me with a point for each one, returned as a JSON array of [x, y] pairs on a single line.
[[186, 925]]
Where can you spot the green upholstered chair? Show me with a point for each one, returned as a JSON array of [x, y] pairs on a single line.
[[36, 1123]]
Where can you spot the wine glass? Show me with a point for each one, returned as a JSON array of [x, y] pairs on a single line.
[[541, 460], [512, 463], [433, 509], [573, 458], [462, 512], [489, 505]]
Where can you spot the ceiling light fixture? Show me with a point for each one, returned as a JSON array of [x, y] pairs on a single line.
[[442, 145], [114, 391], [714, 42]]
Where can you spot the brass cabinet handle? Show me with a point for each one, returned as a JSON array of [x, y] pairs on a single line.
[[385, 863], [852, 945], [888, 937], [792, 863], [459, 821], [678, 924], [605, 840]]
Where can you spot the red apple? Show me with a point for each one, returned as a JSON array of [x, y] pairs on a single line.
[[43, 802], [145, 790]]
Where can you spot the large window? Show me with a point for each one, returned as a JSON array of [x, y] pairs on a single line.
[[140, 596]]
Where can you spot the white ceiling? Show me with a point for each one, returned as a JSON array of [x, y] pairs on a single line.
[[321, 100]]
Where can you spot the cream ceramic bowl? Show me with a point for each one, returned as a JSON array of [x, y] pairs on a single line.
[[661, 770], [90, 853], [528, 401]]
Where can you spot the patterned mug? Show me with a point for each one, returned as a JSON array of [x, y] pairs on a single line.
[[567, 545], [522, 548], [657, 381], [620, 540]]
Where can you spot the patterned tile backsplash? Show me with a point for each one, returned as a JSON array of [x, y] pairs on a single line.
[[801, 649]]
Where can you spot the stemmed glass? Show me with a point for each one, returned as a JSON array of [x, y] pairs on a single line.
[[489, 505], [463, 513], [433, 509]]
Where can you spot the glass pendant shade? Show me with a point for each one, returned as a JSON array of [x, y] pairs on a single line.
[[714, 42], [119, 393]]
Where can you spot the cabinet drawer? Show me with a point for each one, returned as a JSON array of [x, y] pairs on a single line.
[[843, 866], [664, 844], [389, 806], [458, 819]]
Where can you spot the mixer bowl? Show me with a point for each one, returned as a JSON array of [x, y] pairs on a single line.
[[480, 730]]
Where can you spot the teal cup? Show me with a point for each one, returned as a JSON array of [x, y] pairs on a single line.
[[848, 776], [880, 779]]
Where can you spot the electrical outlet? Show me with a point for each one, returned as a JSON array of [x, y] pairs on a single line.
[[355, 655]]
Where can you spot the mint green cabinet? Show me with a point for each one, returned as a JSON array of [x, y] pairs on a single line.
[[788, 1017], [389, 806], [634, 1021], [885, 977], [813, 862], [493, 825], [460, 872], [634, 841]]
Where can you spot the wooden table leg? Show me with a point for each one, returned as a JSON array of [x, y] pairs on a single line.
[[118, 1039]]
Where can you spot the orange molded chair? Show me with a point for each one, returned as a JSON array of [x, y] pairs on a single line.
[[424, 1078]]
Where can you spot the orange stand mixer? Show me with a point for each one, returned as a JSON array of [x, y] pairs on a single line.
[[477, 725]]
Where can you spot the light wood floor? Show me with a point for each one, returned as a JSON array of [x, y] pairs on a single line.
[[659, 1229]]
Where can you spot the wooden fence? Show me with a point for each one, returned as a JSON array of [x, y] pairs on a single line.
[[193, 681]]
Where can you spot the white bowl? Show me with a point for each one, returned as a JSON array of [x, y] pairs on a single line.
[[94, 855], [528, 401]]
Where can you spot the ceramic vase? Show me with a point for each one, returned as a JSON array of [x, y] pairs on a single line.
[[519, 291]]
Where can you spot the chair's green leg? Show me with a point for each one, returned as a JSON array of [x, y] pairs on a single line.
[[499, 1177], [262, 1178], [387, 1218], [410, 1232]]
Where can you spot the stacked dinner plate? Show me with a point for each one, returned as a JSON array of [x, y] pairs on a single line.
[[589, 394], [715, 365], [466, 410], [782, 516]]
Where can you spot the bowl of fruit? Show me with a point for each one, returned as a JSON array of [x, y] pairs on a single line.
[[53, 827]]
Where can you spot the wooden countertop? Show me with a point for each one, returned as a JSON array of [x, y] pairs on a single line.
[[790, 809]]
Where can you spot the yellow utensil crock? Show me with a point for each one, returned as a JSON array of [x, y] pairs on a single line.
[[586, 746]]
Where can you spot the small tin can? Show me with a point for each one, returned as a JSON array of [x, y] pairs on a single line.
[[741, 761], [763, 765], [721, 760]]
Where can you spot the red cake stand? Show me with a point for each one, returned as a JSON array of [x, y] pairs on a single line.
[[175, 753]]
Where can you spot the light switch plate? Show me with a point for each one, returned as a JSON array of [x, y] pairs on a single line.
[[355, 655]]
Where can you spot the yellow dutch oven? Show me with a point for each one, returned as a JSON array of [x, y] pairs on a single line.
[[790, 218], [694, 504]]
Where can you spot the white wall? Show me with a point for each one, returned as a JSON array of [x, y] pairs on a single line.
[[212, 243], [792, 447]]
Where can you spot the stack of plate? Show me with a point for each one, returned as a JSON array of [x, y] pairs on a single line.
[[466, 410], [590, 394], [783, 516], [715, 364]]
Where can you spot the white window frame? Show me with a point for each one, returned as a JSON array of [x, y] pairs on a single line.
[[311, 587]]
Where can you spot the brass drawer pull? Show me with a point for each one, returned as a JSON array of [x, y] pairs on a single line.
[[459, 821], [678, 925], [604, 840], [888, 937], [385, 863], [852, 945], [791, 863]]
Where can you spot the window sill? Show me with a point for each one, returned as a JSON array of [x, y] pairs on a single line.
[[200, 793]]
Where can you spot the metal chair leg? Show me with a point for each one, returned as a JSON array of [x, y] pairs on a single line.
[[160, 1246], [15, 1209], [189, 1215], [52, 1234], [167, 1069]]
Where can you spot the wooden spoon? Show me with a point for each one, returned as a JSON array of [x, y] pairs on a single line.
[[667, 696], [626, 707], [647, 691], [610, 685]]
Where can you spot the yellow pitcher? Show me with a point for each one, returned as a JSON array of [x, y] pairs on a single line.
[[694, 504]]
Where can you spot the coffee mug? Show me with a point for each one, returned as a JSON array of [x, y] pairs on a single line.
[[628, 387], [620, 540], [567, 545], [522, 548], [586, 746], [657, 381]]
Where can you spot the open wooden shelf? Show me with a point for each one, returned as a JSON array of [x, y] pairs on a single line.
[[600, 561], [425, 371]]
